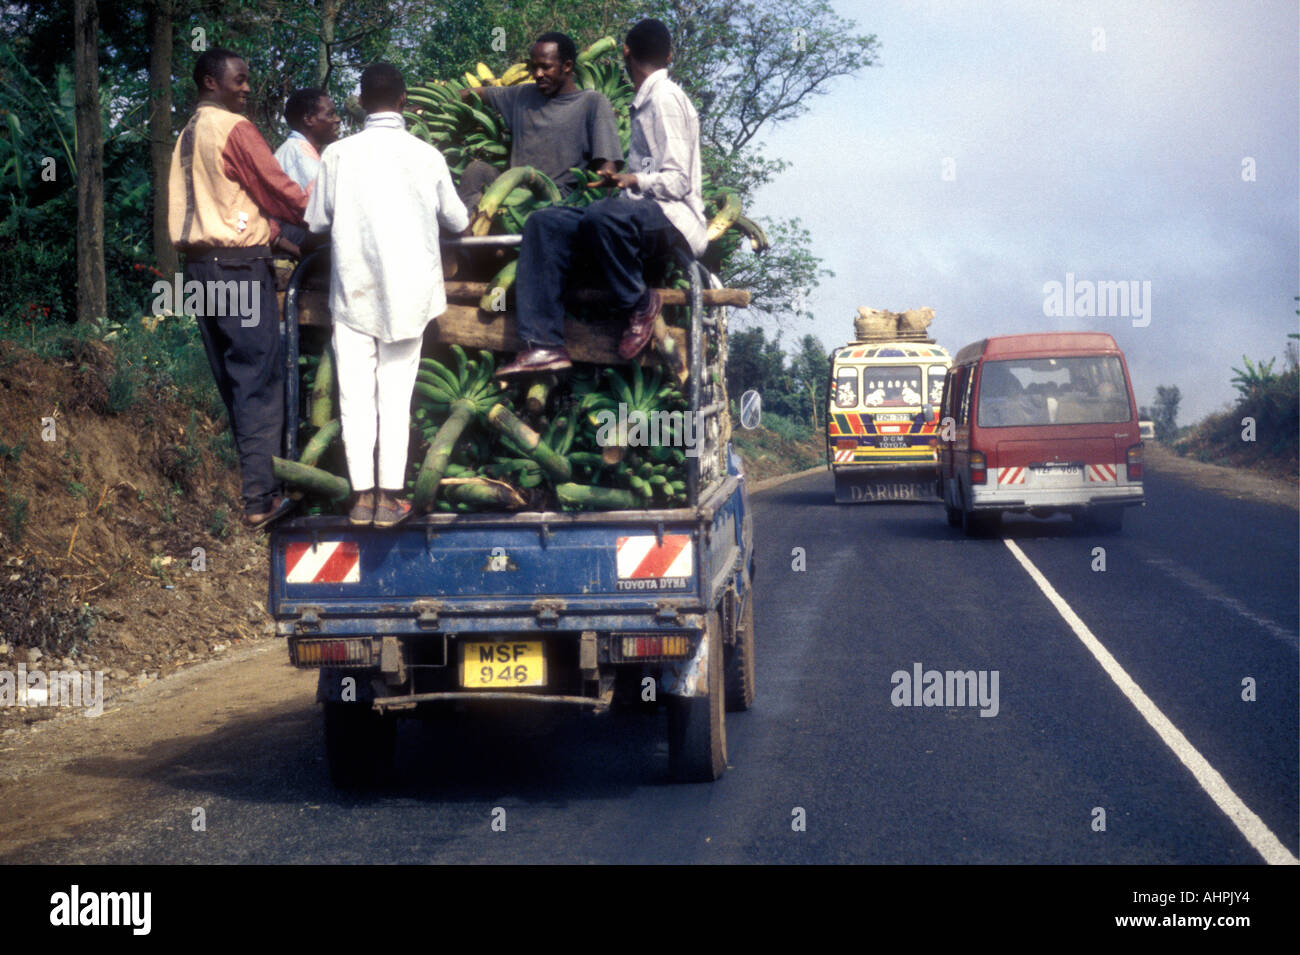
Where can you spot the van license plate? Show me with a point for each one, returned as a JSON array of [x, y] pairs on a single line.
[[1057, 473], [505, 665]]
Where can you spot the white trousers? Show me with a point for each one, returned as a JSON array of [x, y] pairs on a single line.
[[375, 384]]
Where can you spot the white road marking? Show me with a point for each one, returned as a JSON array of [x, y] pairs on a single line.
[[1248, 824], [1211, 592]]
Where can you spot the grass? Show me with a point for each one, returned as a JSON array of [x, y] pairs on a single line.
[[219, 526], [15, 515], [12, 452], [161, 359]]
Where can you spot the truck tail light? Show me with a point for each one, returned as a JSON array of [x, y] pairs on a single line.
[[353, 651], [1134, 461], [650, 646], [978, 472]]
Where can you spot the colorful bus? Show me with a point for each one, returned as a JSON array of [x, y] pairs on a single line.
[[881, 424]]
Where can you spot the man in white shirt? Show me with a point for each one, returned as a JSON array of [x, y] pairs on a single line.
[[313, 124], [382, 194], [618, 235]]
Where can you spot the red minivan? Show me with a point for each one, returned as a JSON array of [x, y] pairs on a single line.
[[1039, 424]]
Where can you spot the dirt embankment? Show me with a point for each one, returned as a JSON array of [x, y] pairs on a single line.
[[121, 549], [1242, 483]]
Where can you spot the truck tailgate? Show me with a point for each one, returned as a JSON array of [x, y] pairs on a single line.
[[535, 568]]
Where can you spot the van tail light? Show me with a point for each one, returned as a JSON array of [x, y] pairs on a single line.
[[978, 472], [1134, 461]]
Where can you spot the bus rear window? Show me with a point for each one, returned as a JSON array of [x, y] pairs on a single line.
[[935, 378], [846, 388], [1037, 391], [891, 386]]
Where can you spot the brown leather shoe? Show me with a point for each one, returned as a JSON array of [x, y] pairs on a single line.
[[640, 328], [536, 360]]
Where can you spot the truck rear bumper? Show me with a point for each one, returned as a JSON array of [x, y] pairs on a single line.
[[1055, 499], [396, 704], [859, 483]]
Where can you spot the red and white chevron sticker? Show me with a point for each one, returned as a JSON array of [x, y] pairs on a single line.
[[329, 562], [1101, 473], [843, 457], [641, 557], [1011, 476]]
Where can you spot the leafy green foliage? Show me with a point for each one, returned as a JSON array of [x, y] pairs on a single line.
[[796, 390], [1254, 379]]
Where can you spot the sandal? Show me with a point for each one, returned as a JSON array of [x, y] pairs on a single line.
[[280, 506]]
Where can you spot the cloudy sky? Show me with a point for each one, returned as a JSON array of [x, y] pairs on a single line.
[[1001, 144]]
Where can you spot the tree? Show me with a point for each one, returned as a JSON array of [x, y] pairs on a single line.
[[811, 367], [1165, 412], [161, 26], [92, 287]]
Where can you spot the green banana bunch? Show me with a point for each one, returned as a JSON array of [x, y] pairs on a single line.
[[461, 130], [437, 387]]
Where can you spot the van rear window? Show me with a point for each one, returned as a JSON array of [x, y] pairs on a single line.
[[1037, 391]]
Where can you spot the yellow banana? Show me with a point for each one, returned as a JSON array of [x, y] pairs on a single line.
[[485, 74], [517, 73], [472, 80]]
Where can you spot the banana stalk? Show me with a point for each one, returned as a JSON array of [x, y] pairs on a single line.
[[320, 442], [725, 218], [530, 442], [322, 390], [482, 491], [440, 451], [310, 479], [498, 288], [507, 182], [605, 44], [599, 498], [538, 391]]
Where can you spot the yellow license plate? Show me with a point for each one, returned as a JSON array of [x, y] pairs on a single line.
[[505, 665]]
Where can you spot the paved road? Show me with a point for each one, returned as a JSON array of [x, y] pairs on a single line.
[[1198, 594]]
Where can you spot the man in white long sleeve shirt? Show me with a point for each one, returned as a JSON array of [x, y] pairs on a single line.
[[620, 234], [382, 194]]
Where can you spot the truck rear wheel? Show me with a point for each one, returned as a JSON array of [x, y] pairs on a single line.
[[739, 667], [360, 744], [697, 725]]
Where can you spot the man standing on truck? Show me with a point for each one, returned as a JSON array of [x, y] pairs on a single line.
[[382, 194], [225, 193], [314, 124], [554, 125], [618, 235]]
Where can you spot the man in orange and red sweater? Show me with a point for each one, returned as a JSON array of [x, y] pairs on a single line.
[[225, 191]]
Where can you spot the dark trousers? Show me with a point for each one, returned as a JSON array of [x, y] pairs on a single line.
[[613, 238], [248, 365]]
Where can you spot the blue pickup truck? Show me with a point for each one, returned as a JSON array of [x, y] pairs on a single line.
[[534, 609]]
